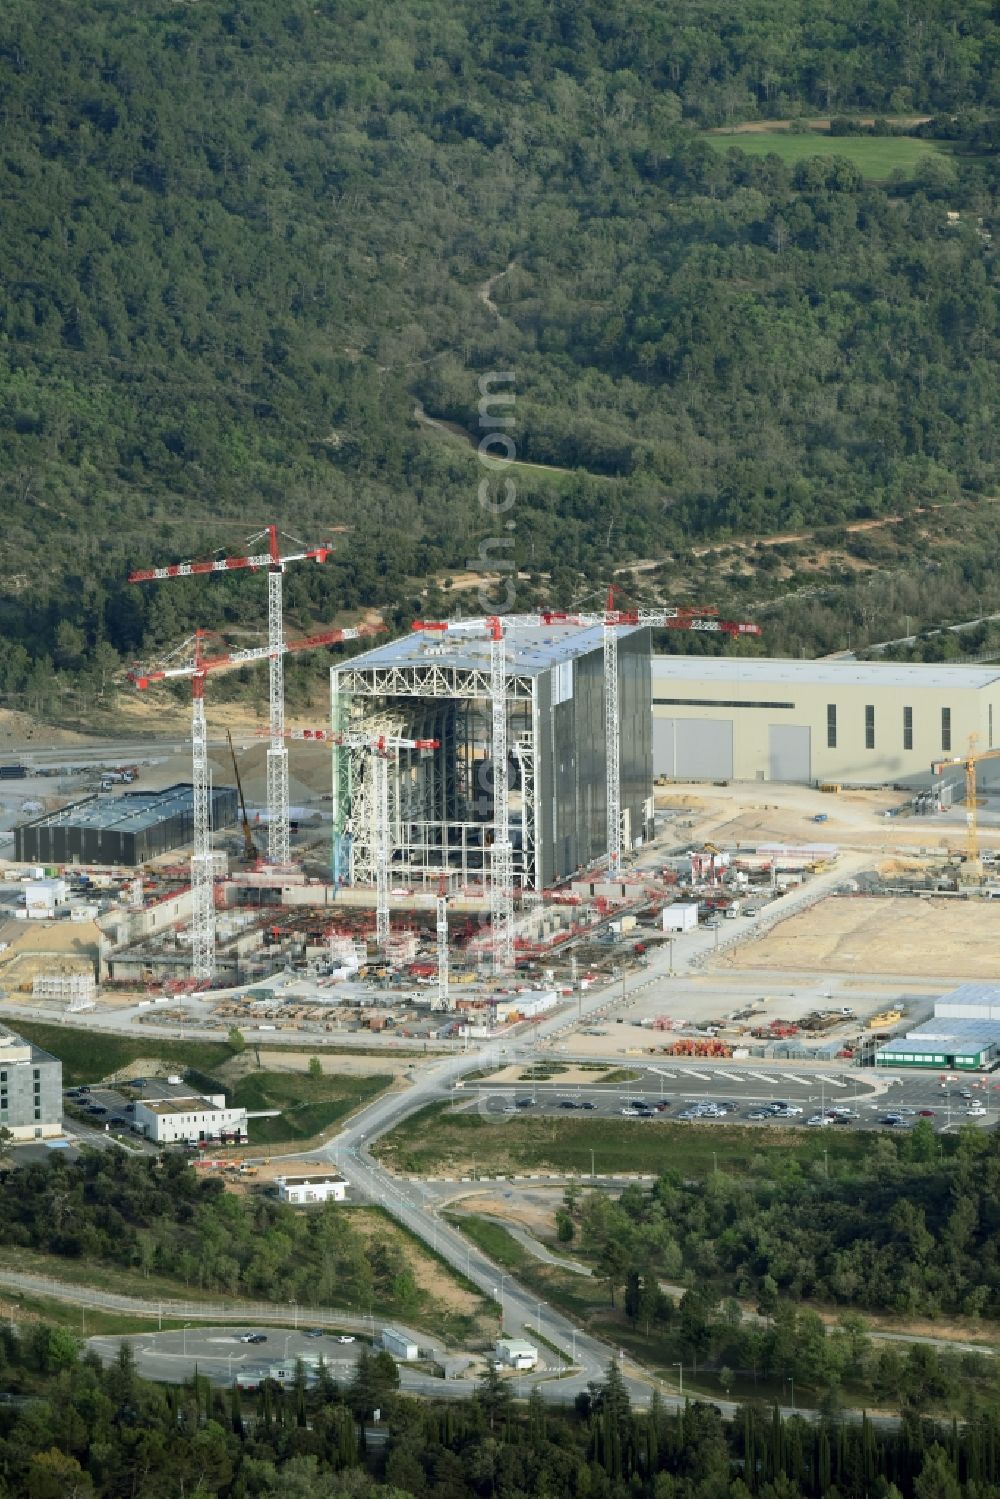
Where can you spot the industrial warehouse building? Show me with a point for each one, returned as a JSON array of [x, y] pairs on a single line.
[[437, 687], [856, 723], [122, 830], [964, 1034], [30, 1089]]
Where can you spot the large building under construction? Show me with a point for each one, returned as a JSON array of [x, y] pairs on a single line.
[[437, 687]]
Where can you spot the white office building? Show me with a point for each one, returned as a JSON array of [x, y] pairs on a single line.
[[300, 1190]]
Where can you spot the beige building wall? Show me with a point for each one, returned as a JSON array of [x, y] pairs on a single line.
[[857, 723]]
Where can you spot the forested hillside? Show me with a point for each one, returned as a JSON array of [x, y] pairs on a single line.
[[243, 243]]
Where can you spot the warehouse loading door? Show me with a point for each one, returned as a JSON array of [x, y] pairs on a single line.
[[789, 752], [693, 749]]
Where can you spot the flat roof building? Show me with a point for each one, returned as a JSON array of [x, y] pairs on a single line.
[[122, 830], [191, 1119], [30, 1088], [436, 686], [964, 1034], [856, 723], [301, 1190]]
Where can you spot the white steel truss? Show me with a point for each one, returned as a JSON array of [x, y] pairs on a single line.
[[442, 952], [278, 841], [202, 868], [501, 853]]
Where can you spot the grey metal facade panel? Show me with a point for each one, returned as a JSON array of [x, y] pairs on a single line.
[[573, 805], [66, 842], [789, 752], [663, 746], [634, 696], [695, 749]]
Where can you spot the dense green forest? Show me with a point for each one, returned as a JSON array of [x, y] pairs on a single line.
[[77, 1430], [244, 244], [160, 1217], [900, 1229]]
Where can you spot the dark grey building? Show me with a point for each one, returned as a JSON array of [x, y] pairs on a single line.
[[125, 830], [30, 1088], [434, 686]]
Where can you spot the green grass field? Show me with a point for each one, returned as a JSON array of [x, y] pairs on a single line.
[[876, 156], [436, 1141], [88, 1056], [310, 1105]]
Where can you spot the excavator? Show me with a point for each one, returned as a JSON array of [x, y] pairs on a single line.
[[250, 853]]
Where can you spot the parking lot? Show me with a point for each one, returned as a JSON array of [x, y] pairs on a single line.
[[755, 1097]]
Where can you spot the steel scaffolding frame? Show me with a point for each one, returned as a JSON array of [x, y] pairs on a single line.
[[440, 812]]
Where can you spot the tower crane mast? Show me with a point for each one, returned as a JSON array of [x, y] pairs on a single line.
[[379, 746], [278, 845], [969, 761], [190, 661], [501, 849], [667, 617]]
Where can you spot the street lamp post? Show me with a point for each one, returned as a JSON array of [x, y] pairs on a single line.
[[680, 1370], [184, 1338]]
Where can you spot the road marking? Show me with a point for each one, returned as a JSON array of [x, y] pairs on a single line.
[[804, 1082], [706, 1077], [835, 1082]]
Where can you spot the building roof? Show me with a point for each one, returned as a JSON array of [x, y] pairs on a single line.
[[132, 812], [752, 669], [517, 1345], [945, 1036], [330, 1179], [530, 649], [183, 1106], [972, 994]]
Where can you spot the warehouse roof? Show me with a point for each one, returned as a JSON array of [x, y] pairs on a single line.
[[751, 669], [131, 812], [530, 649], [972, 994]]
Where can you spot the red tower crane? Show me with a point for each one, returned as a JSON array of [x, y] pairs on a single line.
[[277, 754], [190, 660]]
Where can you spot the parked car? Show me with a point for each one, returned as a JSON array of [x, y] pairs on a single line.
[[926, 1114], [316, 1332], [346, 1337], [253, 1337], [586, 1104]]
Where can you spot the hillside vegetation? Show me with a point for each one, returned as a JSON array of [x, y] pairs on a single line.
[[241, 243]]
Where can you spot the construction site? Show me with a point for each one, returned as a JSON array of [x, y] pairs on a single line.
[[474, 839]]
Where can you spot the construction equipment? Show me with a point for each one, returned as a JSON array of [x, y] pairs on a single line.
[[501, 849], [972, 860], [278, 847], [379, 746], [250, 853], [190, 661]]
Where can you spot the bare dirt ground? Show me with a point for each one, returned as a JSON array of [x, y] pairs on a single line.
[[954, 939], [534, 1210], [744, 813], [341, 1063]]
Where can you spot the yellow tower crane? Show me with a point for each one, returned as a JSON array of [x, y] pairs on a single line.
[[969, 761]]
